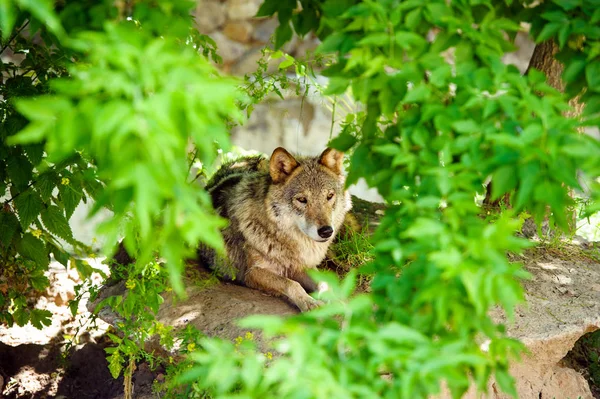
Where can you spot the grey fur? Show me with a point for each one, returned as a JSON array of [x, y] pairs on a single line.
[[275, 208]]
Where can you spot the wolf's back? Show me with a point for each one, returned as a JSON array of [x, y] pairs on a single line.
[[229, 175], [222, 188]]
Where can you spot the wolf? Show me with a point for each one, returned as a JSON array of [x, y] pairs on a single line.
[[283, 214]]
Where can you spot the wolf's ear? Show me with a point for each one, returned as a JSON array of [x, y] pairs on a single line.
[[333, 159], [282, 163]]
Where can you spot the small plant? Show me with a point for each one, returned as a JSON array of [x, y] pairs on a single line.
[[136, 311]]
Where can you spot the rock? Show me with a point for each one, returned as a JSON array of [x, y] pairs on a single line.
[[209, 15], [521, 56], [228, 49], [301, 125], [61, 289], [550, 325], [264, 30], [240, 31], [212, 309], [215, 309], [242, 9], [563, 304], [248, 63], [306, 46]]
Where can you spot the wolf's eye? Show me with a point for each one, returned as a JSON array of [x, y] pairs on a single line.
[[329, 196], [302, 200]]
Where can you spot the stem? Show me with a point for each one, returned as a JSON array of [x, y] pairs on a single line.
[[13, 37], [20, 192], [332, 118]]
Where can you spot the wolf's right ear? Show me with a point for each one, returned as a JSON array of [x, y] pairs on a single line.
[[332, 159], [282, 163]]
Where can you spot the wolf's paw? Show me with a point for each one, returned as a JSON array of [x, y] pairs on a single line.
[[307, 303]]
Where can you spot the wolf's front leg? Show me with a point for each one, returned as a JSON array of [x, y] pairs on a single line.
[[305, 281], [265, 280]]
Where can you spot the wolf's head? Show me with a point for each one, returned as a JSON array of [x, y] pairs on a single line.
[[308, 193]]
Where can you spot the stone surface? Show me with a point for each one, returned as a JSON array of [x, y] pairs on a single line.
[[563, 304], [521, 56], [210, 15], [247, 63], [242, 9], [215, 309], [229, 50], [264, 30], [240, 31], [306, 46]]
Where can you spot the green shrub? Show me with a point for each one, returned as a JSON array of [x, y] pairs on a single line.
[[115, 92]]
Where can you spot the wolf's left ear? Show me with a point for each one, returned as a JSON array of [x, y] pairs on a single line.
[[281, 164], [332, 159]]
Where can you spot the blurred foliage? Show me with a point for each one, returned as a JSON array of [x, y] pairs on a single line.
[[107, 99], [431, 133]]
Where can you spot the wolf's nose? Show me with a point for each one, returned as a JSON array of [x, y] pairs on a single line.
[[325, 231]]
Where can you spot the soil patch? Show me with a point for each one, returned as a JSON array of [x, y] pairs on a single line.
[[36, 364]]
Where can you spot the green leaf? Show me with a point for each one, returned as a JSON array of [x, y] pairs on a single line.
[[438, 11], [376, 39], [506, 382], [29, 205], [35, 153], [528, 176], [84, 268], [61, 256], [19, 170], [574, 69], [343, 142], [332, 43], [268, 8], [555, 16], [70, 197], [424, 227], [592, 75], [32, 248], [44, 11], [563, 35], [8, 227], [413, 18], [74, 306], [504, 179], [568, 5], [389, 149], [592, 105], [39, 283], [288, 62], [115, 364], [56, 222], [336, 85], [283, 34], [548, 31], [21, 316], [419, 93], [466, 126], [45, 184], [40, 318], [401, 334], [8, 16]]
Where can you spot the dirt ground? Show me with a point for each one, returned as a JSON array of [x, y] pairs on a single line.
[[39, 364]]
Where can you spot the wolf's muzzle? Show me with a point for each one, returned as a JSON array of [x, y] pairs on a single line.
[[325, 231]]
